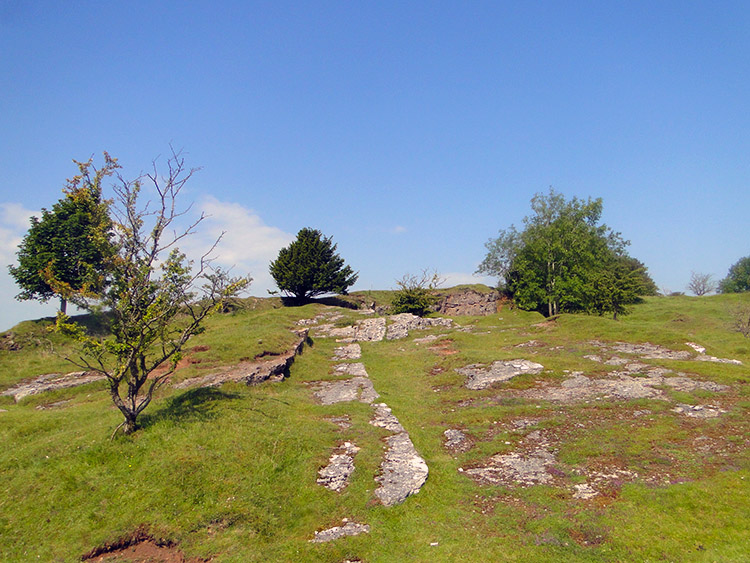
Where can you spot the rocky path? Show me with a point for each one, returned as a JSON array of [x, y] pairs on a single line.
[[403, 471]]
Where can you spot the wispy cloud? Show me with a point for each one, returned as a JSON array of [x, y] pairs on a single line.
[[248, 244], [398, 229]]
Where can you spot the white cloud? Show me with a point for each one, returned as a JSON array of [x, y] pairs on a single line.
[[398, 229], [248, 245], [14, 222]]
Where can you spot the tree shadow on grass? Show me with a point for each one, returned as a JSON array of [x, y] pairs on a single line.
[[194, 405], [333, 301]]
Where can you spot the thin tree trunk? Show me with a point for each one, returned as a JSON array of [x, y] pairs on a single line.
[[63, 305]]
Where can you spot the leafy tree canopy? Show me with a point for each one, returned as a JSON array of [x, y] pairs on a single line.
[[738, 278], [67, 252], [309, 266], [565, 261]]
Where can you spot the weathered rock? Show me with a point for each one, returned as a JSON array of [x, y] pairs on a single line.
[[480, 376], [699, 411], [456, 440], [516, 468], [349, 352], [346, 529], [335, 475], [350, 369], [384, 418], [705, 358], [7, 342], [370, 330], [625, 387], [403, 471], [354, 389], [50, 382], [402, 323], [252, 373], [468, 302]]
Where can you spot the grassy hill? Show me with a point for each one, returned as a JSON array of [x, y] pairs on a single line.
[[229, 474]]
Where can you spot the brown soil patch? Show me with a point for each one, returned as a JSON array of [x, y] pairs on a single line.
[[444, 348], [139, 547]]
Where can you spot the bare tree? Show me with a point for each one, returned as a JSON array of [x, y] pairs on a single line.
[[701, 284], [152, 300], [741, 320]]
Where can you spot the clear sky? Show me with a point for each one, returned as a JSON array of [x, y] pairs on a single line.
[[411, 132]]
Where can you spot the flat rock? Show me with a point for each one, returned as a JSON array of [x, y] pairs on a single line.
[[348, 352], [346, 529], [479, 376], [402, 323], [357, 368], [456, 440], [354, 389], [625, 387], [384, 418], [403, 471], [699, 411], [50, 382], [335, 475]]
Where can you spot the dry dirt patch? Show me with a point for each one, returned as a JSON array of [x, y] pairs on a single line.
[[139, 547]]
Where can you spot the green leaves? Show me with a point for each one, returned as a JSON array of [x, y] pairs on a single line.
[[309, 266], [563, 261]]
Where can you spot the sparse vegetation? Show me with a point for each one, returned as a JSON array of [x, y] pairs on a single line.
[[701, 284], [415, 293], [229, 473]]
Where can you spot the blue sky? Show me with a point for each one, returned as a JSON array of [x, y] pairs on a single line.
[[411, 132]]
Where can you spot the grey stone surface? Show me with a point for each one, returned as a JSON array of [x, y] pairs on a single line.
[[521, 469], [346, 529], [468, 302], [50, 382], [384, 418], [370, 330], [456, 440], [699, 411], [403, 471], [349, 352], [480, 376], [625, 386], [350, 369], [335, 475], [402, 323], [354, 389]]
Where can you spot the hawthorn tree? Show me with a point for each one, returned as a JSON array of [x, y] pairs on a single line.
[[564, 261], [154, 303], [415, 293], [738, 278], [67, 251], [701, 284], [309, 266]]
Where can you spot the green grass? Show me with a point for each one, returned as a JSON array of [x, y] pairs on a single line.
[[230, 473]]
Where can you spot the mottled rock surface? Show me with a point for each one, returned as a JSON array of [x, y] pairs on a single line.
[[403, 471], [346, 529], [50, 382], [480, 376], [354, 389], [335, 475]]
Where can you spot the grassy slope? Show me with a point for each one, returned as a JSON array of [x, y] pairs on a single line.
[[230, 473]]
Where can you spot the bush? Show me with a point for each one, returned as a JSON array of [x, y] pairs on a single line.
[[415, 294]]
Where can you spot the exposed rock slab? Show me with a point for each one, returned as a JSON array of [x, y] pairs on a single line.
[[402, 323], [480, 376], [335, 475], [456, 440], [349, 352], [468, 303], [403, 471], [350, 369], [50, 382], [699, 411], [625, 387], [252, 373], [384, 418], [346, 529], [355, 389], [521, 469]]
